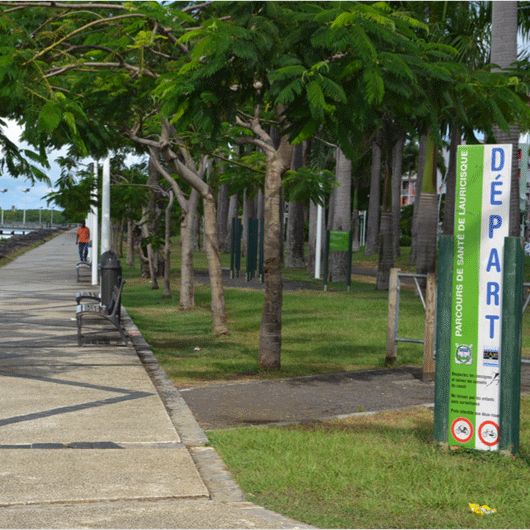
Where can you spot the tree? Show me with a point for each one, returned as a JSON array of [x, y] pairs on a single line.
[[503, 54], [128, 46]]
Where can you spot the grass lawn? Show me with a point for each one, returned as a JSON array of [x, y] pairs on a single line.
[[322, 332], [366, 472], [380, 471]]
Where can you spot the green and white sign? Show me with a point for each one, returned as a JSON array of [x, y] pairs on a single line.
[[482, 204], [339, 241]]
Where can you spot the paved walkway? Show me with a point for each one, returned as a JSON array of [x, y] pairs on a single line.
[[312, 398], [85, 438]]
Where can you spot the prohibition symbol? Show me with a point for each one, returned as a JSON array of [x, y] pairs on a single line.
[[488, 432], [462, 430]]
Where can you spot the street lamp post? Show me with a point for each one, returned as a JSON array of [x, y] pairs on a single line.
[[25, 190], [1, 209], [40, 216]]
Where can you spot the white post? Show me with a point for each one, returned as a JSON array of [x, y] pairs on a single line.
[[105, 207], [24, 217], [318, 243], [94, 229], [2, 217]]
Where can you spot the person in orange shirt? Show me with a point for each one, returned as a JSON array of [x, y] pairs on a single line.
[[82, 239]]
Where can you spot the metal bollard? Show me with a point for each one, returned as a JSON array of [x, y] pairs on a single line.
[[110, 270]]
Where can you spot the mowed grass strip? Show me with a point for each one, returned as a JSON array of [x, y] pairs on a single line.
[[321, 332], [380, 471]]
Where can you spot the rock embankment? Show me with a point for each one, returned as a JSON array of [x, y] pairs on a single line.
[[15, 243]]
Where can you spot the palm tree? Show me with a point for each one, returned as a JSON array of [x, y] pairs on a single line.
[[503, 54], [340, 210]]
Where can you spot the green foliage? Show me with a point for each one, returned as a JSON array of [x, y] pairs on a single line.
[[73, 195], [305, 184], [244, 173]]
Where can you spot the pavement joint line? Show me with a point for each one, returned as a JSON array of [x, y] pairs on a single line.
[[104, 500], [210, 466], [106, 444]]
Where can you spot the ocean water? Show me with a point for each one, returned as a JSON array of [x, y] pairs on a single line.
[[6, 234]]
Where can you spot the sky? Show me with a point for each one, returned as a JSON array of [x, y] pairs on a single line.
[[15, 196]]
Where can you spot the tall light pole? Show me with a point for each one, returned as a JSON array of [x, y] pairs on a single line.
[[105, 207], [40, 215], [25, 190], [1, 209], [94, 229]]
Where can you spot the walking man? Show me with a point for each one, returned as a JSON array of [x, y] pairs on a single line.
[[82, 239]]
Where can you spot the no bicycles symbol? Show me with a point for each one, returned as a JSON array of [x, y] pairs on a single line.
[[462, 430], [488, 432]]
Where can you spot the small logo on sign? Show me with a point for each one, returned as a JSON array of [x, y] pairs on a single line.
[[462, 430], [488, 432], [491, 357], [463, 355]]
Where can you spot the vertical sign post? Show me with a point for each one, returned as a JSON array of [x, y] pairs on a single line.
[[481, 224]]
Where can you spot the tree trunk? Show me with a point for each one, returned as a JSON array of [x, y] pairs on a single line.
[[503, 53], [427, 222], [426, 236], [355, 225], [416, 207], [214, 266], [387, 232], [311, 247], [249, 212], [196, 232], [222, 215], [149, 215], [386, 251], [372, 225], [232, 212], [151, 258], [397, 171], [187, 291], [295, 220], [270, 336], [167, 246], [450, 183], [130, 243], [341, 213]]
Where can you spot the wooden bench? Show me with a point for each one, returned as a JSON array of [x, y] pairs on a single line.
[[82, 266], [92, 312]]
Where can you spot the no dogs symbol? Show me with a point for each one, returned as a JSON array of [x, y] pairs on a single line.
[[462, 430], [488, 432]]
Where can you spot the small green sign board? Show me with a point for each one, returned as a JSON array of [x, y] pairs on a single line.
[[339, 241]]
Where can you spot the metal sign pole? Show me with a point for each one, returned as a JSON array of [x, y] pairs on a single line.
[[94, 229], [318, 243]]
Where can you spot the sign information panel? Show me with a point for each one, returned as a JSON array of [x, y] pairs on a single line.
[[339, 241], [482, 204]]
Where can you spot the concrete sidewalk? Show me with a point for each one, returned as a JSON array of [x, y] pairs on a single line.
[[85, 438]]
